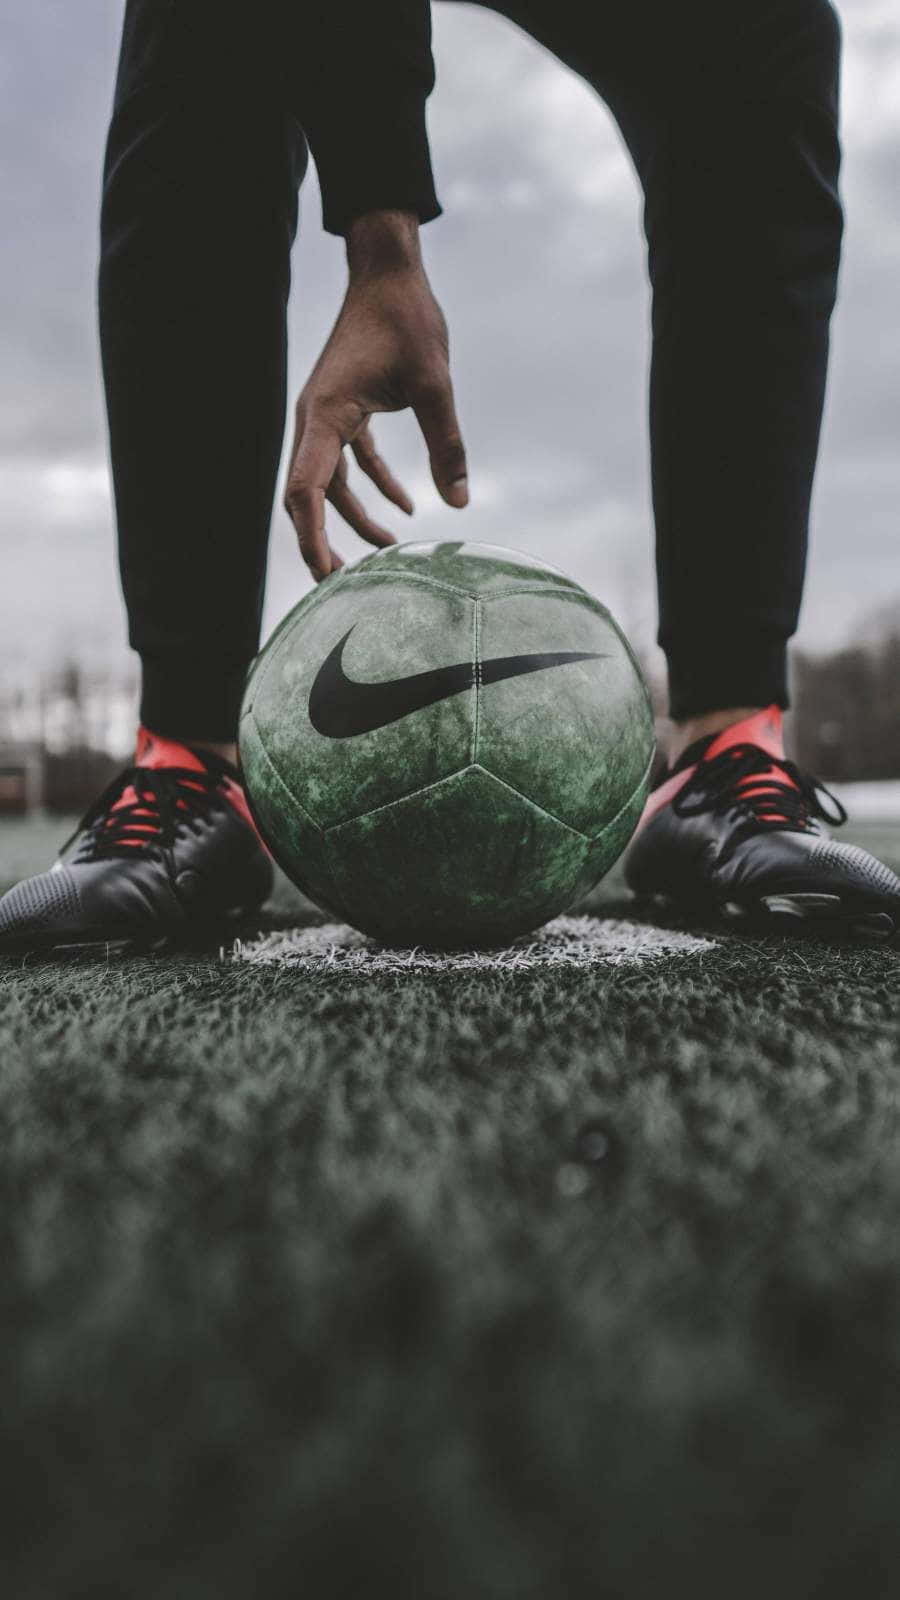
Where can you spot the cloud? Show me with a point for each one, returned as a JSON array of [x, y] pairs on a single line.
[[56, 493], [539, 263]]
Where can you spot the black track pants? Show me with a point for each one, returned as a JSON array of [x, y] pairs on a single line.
[[730, 113]]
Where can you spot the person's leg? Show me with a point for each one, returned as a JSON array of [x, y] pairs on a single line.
[[729, 109], [199, 211], [730, 112], [744, 228]]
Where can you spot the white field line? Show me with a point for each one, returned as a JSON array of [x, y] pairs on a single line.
[[565, 942], [870, 802]]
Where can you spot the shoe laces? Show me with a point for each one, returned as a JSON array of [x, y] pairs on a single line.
[[759, 792], [145, 808]]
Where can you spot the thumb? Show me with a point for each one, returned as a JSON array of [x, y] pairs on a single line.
[[436, 416], [316, 457]]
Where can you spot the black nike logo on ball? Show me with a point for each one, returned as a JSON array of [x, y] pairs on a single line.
[[340, 708]]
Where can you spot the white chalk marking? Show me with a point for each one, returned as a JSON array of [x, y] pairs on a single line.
[[565, 942]]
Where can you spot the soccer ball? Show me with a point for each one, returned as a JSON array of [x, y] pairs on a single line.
[[446, 744]]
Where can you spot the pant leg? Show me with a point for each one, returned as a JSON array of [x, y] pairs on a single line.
[[199, 211], [744, 229], [730, 111]]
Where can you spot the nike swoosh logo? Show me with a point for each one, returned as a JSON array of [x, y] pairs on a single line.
[[341, 708]]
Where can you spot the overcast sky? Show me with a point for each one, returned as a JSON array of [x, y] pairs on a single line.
[[539, 264]]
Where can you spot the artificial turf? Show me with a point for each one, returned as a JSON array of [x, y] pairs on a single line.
[[454, 1284]]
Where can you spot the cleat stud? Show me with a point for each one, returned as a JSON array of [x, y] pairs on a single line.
[[801, 905], [874, 925]]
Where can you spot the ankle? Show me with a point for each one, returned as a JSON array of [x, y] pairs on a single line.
[[152, 743], [685, 733], [228, 750]]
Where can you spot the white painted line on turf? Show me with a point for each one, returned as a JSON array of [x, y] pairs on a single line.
[[875, 801], [565, 942]]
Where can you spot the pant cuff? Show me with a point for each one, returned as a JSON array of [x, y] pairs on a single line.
[[723, 673], [191, 698]]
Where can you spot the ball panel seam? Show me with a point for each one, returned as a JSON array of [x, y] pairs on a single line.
[[295, 804], [596, 837], [629, 649], [579, 596], [402, 575], [451, 777], [334, 896], [476, 656], [528, 801], [395, 800], [284, 632]]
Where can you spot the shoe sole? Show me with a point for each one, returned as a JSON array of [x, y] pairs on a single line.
[[799, 911], [823, 910], [141, 942]]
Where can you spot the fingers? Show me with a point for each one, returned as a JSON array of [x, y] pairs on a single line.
[[436, 416], [374, 467], [316, 457], [319, 473], [354, 512]]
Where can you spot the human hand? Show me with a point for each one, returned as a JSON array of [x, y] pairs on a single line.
[[387, 350]]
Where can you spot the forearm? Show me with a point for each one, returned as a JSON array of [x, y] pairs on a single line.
[[383, 241], [368, 73]]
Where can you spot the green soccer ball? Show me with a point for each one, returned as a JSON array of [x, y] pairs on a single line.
[[446, 744]]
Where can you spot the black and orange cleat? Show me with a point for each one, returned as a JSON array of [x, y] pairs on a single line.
[[169, 849], [736, 828]]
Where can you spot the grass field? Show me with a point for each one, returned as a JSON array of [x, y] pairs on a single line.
[[463, 1284]]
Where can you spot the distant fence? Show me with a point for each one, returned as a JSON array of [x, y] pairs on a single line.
[[846, 719], [62, 738], [73, 779], [67, 782], [21, 778], [61, 742]]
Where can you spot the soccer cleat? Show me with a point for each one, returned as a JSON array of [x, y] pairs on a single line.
[[736, 828], [169, 848]]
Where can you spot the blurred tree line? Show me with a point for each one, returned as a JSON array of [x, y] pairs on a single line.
[[846, 719], [845, 722], [63, 737]]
